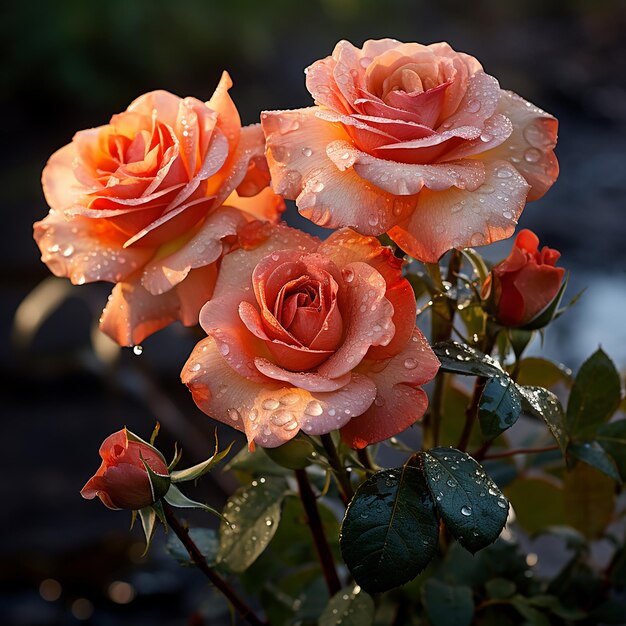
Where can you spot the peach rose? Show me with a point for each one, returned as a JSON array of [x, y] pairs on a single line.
[[150, 201], [417, 141], [311, 335], [522, 286]]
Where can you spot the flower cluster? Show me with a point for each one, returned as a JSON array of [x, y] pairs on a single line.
[[178, 205]]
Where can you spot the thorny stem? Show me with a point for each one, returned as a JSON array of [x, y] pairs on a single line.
[[196, 556], [319, 537], [507, 453], [343, 479]]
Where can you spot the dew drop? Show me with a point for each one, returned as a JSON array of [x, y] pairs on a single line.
[[68, 251], [532, 155], [410, 364], [270, 404], [504, 173], [473, 106], [314, 408], [307, 152], [137, 350], [466, 510], [224, 349], [195, 367], [233, 414]]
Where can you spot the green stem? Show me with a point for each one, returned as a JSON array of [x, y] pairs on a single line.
[[343, 479], [507, 453], [366, 459], [442, 321], [471, 413], [317, 531], [196, 556]]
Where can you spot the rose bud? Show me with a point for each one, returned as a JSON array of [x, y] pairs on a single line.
[[522, 286], [122, 480]]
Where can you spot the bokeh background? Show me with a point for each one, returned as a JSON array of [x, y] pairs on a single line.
[[70, 64]]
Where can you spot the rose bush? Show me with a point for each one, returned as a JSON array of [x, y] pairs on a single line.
[[150, 201], [121, 481], [311, 335], [417, 141], [525, 283]]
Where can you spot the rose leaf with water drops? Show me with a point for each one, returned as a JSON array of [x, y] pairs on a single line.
[[251, 515], [350, 607], [500, 406], [459, 358], [390, 530], [468, 500], [545, 405]]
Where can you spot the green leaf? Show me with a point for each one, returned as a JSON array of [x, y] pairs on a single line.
[[553, 604], [294, 454], [500, 588], [148, 518], [532, 616], [546, 406], [477, 263], [447, 605], [159, 483], [469, 502], [537, 502], [177, 498], [194, 472], [500, 406], [539, 372], [390, 530], [462, 359], [206, 541], [351, 607], [595, 395], [252, 516], [249, 465], [589, 500], [612, 437], [592, 453]]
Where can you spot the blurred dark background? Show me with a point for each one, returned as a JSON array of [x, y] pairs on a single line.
[[70, 64]]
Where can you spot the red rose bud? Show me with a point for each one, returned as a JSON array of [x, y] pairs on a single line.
[[522, 286], [123, 481]]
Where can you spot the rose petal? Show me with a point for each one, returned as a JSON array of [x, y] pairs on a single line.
[[265, 205], [220, 316], [367, 316], [457, 219], [132, 313], [310, 381], [58, 180], [320, 83], [530, 147], [301, 170], [221, 102], [270, 413], [407, 179], [398, 403], [204, 247], [86, 250]]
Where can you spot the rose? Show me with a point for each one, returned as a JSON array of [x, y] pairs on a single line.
[[149, 201], [122, 480], [417, 141], [311, 335], [522, 286]]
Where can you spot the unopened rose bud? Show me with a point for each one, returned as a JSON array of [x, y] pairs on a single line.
[[122, 481], [525, 284]]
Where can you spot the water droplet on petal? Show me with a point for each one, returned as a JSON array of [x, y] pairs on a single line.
[[410, 364], [532, 155], [270, 404]]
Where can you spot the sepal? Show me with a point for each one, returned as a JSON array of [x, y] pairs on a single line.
[[175, 497], [196, 471]]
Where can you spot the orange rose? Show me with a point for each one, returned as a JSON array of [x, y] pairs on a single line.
[[412, 140], [122, 481], [149, 201], [523, 285], [311, 335]]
